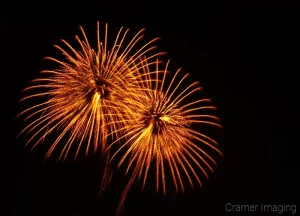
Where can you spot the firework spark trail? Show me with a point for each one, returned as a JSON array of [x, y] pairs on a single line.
[[159, 131], [83, 99]]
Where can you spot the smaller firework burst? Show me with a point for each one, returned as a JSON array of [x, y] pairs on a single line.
[[159, 132]]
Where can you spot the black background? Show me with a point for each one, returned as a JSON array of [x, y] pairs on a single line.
[[246, 59]]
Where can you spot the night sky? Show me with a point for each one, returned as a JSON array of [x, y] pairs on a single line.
[[246, 61]]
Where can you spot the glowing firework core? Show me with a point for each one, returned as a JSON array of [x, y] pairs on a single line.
[[155, 121], [101, 86]]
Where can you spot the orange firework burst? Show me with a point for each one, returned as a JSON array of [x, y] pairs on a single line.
[[83, 98], [159, 131]]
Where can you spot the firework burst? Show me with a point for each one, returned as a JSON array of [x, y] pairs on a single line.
[[158, 131], [82, 99]]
